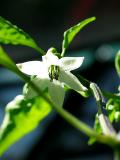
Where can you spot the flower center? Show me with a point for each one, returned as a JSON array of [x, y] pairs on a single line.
[[53, 72]]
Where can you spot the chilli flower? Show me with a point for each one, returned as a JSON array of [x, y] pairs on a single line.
[[53, 73]]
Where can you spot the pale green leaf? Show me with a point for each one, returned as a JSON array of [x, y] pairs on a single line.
[[71, 33], [11, 34], [117, 63], [21, 117]]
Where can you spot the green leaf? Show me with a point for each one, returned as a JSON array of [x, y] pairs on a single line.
[[71, 33], [6, 61], [21, 117], [11, 34], [117, 63], [97, 128]]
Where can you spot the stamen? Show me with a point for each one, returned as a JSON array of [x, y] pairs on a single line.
[[53, 72]]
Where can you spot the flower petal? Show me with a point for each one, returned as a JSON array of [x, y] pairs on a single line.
[[34, 68], [71, 81], [50, 58], [57, 93], [71, 63], [42, 84]]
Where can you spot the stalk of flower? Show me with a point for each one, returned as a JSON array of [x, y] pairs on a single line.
[[54, 74]]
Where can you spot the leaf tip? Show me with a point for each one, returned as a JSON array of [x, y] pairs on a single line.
[[92, 19]]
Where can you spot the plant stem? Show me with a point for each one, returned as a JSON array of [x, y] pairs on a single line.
[[66, 115], [78, 124], [111, 141], [75, 122]]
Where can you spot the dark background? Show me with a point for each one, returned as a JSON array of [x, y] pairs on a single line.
[[46, 21]]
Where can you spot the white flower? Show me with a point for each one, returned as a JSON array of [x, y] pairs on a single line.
[[53, 73]]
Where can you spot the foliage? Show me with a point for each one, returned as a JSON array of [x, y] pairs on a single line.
[[72, 32], [25, 112], [21, 117], [11, 34]]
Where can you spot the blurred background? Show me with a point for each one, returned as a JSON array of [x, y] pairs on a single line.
[[46, 21]]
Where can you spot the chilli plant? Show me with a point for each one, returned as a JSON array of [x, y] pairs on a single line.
[[46, 83]]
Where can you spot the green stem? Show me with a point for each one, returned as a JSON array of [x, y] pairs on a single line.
[[84, 128], [112, 141], [75, 122], [66, 115]]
